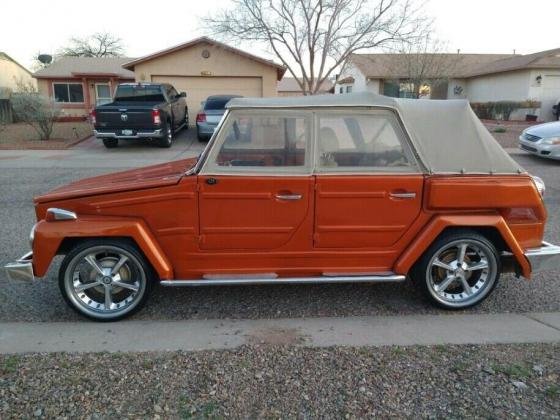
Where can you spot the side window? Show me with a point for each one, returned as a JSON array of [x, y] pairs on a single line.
[[361, 142], [172, 92], [262, 142]]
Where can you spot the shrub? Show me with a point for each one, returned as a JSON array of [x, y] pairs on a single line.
[[502, 110], [36, 110]]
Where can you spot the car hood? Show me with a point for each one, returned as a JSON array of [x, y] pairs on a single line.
[[134, 179], [545, 130]]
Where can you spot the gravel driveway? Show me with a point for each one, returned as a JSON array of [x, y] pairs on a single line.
[[510, 381], [41, 301]]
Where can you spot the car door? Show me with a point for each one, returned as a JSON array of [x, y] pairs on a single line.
[[368, 184], [175, 105], [256, 186]]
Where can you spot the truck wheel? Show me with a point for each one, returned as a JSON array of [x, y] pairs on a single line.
[[105, 279], [110, 143], [458, 271], [167, 141], [200, 137], [186, 121]]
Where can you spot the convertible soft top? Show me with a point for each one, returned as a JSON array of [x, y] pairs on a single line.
[[447, 135]]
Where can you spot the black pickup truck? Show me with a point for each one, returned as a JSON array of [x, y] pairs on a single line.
[[141, 111]]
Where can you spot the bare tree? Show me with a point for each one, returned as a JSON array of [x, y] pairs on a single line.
[[424, 65], [34, 109], [313, 38], [101, 44]]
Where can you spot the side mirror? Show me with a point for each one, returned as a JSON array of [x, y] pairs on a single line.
[[182, 95]]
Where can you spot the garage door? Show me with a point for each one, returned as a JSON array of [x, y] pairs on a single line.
[[199, 88], [550, 95]]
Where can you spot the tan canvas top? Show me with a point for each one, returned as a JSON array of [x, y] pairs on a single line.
[[446, 134]]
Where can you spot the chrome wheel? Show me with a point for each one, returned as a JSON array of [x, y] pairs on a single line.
[[461, 273], [104, 281]]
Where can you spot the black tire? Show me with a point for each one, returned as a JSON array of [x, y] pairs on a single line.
[[460, 286], [86, 301], [167, 140], [110, 143], [200, 137]]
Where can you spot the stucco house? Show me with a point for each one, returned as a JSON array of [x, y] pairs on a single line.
[[12, 73], [479, 78], [78, 84], [289, 86], [204, 67]]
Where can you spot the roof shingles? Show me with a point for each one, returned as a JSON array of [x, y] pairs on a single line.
[[68, 67]]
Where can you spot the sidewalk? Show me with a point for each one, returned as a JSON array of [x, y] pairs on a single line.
[[139, 336]]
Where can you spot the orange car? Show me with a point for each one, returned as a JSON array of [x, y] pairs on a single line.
[[323, 189]]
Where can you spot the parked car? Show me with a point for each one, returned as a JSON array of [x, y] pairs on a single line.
[[141, 111], [317, 189], [213, 109], [542, 140]]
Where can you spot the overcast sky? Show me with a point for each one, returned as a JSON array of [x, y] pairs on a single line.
[[475, 26]]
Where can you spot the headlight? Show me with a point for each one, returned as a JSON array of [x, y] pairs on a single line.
[[551, 140], [32, 235], [539, 183]]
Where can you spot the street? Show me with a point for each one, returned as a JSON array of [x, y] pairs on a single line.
[[24, 174]]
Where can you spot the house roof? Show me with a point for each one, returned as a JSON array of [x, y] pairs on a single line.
[[446, 134], [67, 67], [4, 56], [131, 63], [290, 84], [382, 66]]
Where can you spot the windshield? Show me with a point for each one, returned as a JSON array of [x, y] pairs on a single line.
[[216, 103], [139, 93]]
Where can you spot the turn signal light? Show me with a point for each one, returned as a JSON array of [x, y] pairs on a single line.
[[201, 117], [156, 116]]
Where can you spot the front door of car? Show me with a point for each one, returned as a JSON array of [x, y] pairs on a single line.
[[256, 187], [368, 185]]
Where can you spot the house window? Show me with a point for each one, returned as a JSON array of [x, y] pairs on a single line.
[[68, 92], [341, 89], [348, 89], [102, 93]]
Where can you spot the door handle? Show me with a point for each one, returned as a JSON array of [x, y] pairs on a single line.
[[288, 197], [403, 195]]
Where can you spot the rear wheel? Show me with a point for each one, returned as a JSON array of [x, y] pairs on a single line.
[[110, 143], [458, 271], [200, 137], [105, 279], [167, 141]]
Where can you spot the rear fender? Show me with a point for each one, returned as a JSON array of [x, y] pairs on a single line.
[[409, 257], [49, 237]]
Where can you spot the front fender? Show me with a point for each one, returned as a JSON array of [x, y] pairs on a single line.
[[439, 223], [49, 237]]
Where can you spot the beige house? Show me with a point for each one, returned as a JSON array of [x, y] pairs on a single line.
[[477, 77], [289, 86], [12, 73], [78, 84], [204, 67]]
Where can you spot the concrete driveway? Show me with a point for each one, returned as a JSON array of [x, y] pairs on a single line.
[[92, 154]]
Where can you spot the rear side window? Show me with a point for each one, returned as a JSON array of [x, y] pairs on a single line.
[[355, 142], [139, 93], [263, 142]]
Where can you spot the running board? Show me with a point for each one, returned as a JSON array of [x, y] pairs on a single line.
[[251, 279]]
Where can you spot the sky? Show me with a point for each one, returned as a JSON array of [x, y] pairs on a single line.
[[473, 26]]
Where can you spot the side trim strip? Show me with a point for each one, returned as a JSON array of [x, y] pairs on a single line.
[[284, 280]]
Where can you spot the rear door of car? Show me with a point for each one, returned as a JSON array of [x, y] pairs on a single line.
[[368, 185], [256, 186]]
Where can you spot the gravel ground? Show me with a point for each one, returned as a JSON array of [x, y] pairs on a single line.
[[509, 137], [508, 381], [41, 301], [23, 136]]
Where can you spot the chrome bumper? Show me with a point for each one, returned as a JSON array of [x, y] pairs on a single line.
[[546, 257], [141, 135], [22, 269]]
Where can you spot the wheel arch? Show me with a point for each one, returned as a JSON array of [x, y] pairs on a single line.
[[54, 238], [492, 226]]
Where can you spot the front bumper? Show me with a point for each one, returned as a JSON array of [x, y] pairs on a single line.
[[541, 149], [22, 269], [546, 257], [138, 135]]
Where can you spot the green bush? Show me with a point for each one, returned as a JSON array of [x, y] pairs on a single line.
[[501, 110]]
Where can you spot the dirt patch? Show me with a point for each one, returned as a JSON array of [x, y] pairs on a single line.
[[507, 132], [21, 136], [275, 336]]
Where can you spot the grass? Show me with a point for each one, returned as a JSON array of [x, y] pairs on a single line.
[[188, 410], [513, 370], [553, 391], [499, 130], [9, 365]]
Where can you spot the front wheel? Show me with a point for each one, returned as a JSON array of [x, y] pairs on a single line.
[[105, 279], [458, 271]]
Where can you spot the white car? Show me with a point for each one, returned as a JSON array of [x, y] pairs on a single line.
[[542, 140]]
